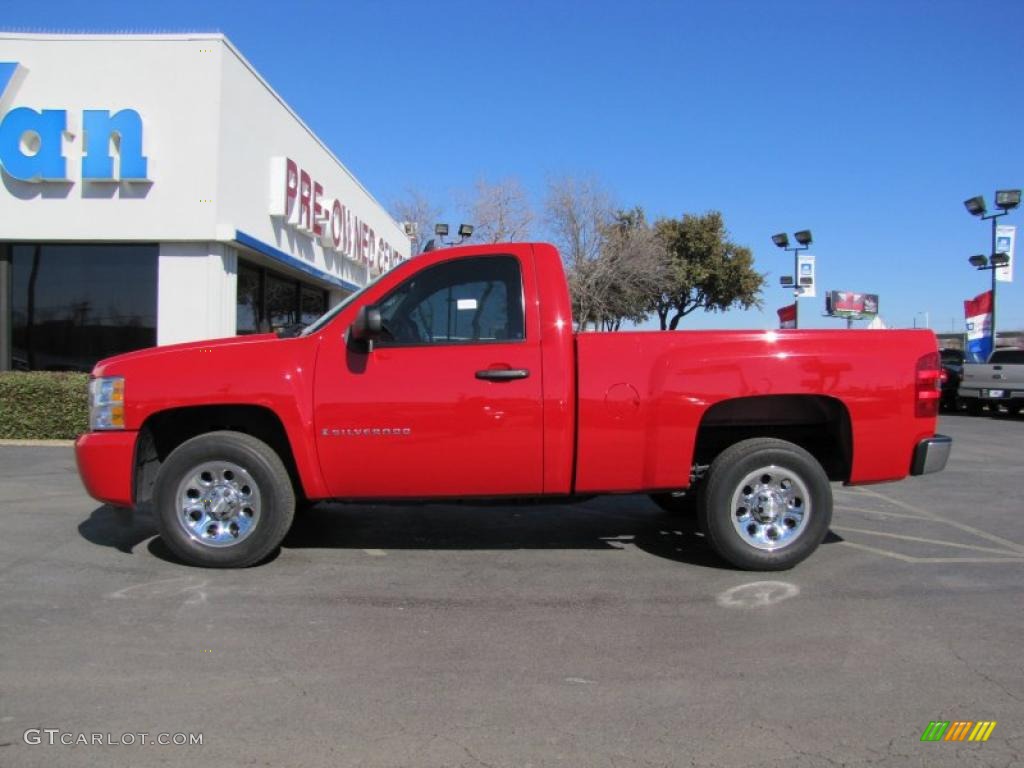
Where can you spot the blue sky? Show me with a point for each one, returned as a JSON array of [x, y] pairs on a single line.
[[867, 122]]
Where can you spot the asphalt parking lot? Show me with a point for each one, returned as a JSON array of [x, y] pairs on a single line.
[[597, 634]]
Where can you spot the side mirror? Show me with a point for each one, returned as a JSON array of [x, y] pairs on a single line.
[[366, 327]]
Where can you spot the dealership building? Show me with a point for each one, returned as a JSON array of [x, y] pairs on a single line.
[[155, 190]]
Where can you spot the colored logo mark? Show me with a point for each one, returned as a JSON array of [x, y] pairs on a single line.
[[958, 730]]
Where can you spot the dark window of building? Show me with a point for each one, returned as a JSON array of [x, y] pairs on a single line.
[[314, 304], [282, 296], [457, 302], [269, 301], [73, 305], [250, 298]]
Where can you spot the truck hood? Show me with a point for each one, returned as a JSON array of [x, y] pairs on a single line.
[[119, 364]]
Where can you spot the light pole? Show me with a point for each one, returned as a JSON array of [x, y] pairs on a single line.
[[803, 239], [1006, 201]]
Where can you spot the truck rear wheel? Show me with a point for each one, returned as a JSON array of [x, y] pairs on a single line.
[[766, 506], [223, 500]]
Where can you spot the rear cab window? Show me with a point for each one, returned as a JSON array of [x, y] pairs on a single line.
[[1007, 357]]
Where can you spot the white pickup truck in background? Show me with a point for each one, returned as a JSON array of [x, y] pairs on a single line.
[[1000, 381]]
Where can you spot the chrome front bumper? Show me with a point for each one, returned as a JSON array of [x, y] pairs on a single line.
[[931, 455]]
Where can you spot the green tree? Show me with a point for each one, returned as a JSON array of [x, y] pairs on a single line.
[[704, 270]]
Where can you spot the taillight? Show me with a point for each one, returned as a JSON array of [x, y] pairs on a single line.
[[944, 376], [928, 385]]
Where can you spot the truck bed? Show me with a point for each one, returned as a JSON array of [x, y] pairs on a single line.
[[643, 396]]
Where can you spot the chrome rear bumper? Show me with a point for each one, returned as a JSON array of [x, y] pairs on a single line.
[[931, 455]]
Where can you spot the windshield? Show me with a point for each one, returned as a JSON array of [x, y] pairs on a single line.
[[327, 316], [330, 314]]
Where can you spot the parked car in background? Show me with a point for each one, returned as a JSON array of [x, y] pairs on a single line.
[[998, 382], [952, 373]]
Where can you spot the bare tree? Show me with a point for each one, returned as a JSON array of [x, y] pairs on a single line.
[[500, 212], [637, 262], [416, 208], [625, 280], [576, 212]]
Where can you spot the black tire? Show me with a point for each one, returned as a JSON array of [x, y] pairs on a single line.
[[267, 517], [972, 405], [677, 505], [757, 540]]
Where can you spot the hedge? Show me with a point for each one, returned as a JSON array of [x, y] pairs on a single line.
[[43, 406]]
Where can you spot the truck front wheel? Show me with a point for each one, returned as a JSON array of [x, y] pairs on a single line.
[[766, 506], [223, 500]]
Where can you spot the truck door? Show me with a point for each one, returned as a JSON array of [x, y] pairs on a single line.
[[448, 402]]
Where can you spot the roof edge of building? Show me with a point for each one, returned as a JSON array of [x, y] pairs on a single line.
[[185, 36]]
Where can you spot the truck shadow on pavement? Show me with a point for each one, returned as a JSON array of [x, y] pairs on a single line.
[[121, 529], [608, 523]]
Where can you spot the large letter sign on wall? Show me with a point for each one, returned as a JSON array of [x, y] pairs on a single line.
[[126, 128], [30, 144]]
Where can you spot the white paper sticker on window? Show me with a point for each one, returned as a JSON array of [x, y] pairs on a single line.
[[465, 304]]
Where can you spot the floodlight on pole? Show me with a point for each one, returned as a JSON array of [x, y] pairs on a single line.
[[803, 239], [465, 232], [976, 206], [1006, 201]]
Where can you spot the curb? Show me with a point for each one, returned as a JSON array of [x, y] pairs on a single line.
[[37, 443]]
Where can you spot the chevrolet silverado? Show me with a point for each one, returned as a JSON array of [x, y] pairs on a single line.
[[458, 375]]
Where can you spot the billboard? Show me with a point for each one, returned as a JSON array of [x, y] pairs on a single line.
[[846, 303]]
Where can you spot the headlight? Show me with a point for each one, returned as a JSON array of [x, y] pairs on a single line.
[[106, 403]]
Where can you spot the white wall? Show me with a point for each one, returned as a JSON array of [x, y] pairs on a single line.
[[197, 286], [174, 84], [256, 127], [212, 127]]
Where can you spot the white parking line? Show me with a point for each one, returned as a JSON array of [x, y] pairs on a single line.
[[929, 541], [932, 560], [1012, 545]]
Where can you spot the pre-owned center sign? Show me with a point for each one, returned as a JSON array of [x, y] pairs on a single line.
[[299, 201]]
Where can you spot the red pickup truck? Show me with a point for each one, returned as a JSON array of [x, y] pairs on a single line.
[[458, 375]]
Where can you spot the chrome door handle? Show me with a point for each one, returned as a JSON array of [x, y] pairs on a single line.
[[502, 374]]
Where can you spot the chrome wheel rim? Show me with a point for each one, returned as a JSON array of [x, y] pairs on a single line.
[[770, 507], [218, 504]]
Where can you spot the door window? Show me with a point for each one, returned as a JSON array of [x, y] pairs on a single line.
[[465, 301]]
